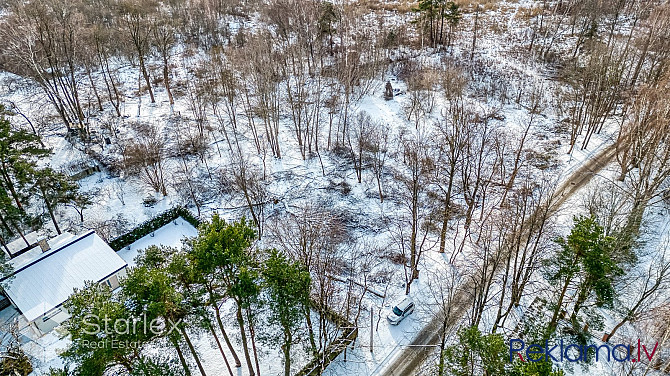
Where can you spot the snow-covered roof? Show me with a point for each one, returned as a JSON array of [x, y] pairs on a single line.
[[36, 252], [19, 244], [48, 281]]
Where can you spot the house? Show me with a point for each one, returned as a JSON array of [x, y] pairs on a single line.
[[46, 275]]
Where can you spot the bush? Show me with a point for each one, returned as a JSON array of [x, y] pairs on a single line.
[[152, 225], [150, 201], [15, 363]]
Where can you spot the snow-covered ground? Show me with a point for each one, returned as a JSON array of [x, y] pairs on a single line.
[[119, 201], [170, 235]]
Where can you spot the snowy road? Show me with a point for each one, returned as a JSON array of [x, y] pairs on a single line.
[[408, 360]]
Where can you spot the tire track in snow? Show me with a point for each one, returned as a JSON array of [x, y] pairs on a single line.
[[409, 360]]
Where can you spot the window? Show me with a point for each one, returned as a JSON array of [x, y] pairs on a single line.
[[51, 314], [397, 311]]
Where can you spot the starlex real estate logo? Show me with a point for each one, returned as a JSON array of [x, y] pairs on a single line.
[[573, 352]]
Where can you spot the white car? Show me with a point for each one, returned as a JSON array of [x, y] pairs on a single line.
[[400, 311]]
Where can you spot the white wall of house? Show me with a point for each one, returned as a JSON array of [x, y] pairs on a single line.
[[52, 319], [47, 322]]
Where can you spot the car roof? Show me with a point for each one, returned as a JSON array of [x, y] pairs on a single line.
[[404, 304]]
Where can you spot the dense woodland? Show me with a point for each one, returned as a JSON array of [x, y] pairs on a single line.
[[201, 102]]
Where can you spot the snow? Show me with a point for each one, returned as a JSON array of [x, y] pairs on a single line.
[[389, 340], [293, 181], [48, 281], [170, 235], [45, 349]]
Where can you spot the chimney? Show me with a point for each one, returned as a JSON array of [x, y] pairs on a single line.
[[44, 244]]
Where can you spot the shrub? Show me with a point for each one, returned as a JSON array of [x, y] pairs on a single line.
[[152, 225]]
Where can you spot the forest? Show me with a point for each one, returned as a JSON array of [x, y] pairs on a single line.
[[504, 163]]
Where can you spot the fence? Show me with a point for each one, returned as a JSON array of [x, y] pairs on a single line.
[[349, 334]]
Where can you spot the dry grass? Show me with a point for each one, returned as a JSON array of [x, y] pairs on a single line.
[[468, 6], [390, 6], [528, 13]]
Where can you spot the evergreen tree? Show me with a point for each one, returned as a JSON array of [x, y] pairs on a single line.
[[288, 285], [180, 267], [428, 13], [452, 13], [21, 180], [151, 292], [222, 257], [11, 219], [19, 152], [55, 189], [536, 368], [94, 346], [586, 260], [326, 23], [6, 270], [477, 354]]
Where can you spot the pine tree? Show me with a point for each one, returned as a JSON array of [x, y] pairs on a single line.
[[151, 291], [19, 152], [11, 219], [288, 285], [428, 12], [223, 264], [55, 189], [94, 343], [6, 270], [326, 23], [453, 16], [586, 260], [476, 354]]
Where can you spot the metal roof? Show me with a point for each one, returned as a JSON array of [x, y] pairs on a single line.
[[48, 281]]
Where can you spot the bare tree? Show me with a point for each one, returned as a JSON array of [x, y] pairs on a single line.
[[644, 150], [451, 138], [42, 42], [378, 145], [357, 140], [411, 227], [135, 19], [526, 235], [145, 155], [314, 235], [421, 94], [250, 180], [644, 288], [596, 89], [164, 39], [443, 285]]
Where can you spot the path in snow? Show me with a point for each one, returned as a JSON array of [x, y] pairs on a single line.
[[409, 359]]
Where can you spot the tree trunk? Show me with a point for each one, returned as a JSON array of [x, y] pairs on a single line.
[[10, 186], [166, 79], [217, 312], [252, 333], [288, 338], [310, 330], [50, 210], [187, 371], [145, 74], [245, 345], [447, 210], [218, 344], [559, 304], [193, 352]]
